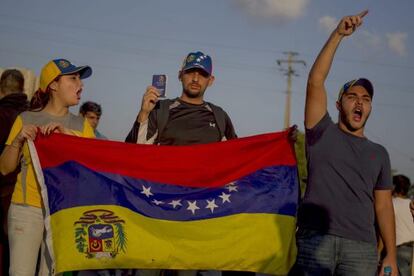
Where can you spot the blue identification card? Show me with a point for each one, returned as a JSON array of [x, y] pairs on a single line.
[[160, 82]]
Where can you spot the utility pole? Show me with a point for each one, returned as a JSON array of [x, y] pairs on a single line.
[[289, 73]]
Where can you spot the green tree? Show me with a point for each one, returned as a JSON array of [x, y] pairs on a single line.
[[301, 160]]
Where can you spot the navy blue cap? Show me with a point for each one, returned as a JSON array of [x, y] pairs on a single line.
[[198, 60], [357, 82]]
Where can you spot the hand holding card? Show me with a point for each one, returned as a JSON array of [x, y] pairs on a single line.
[[160, 82]]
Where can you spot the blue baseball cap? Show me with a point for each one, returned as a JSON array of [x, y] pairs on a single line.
[[357, 82], [198, 60], [58, 67]]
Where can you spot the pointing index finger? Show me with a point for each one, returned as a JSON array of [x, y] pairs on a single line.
[[363, 13]]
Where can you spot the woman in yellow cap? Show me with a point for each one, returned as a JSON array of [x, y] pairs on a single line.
[[60, 87]]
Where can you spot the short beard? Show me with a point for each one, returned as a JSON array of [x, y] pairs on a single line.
[[192, 95], [348, 125]]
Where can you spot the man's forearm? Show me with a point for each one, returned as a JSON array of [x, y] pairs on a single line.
[[323, 62], [386, 224]]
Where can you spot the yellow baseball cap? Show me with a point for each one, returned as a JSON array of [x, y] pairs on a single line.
[[58, 67]]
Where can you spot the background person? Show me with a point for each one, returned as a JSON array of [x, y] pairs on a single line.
[[404, 224], [92, 112], [12, 102]]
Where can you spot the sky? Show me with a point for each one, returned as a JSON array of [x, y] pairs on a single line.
[[126, 42]]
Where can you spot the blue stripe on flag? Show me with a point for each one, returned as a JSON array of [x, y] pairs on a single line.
[[269, 190]]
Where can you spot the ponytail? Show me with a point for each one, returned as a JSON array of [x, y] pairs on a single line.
[[39, 100]]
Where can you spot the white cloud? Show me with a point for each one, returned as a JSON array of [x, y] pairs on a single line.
[[364, 39], [370, 40], [328, 23], [276, 10], [396, 43]]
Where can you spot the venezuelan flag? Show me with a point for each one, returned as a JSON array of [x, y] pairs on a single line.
[[221, 206]]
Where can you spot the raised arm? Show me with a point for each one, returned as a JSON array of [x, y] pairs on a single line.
[[316, 97], [149, 100]]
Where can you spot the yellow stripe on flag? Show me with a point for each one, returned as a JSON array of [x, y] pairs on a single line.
[[245, 242]]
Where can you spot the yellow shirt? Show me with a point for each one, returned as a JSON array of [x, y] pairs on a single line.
[[27, 189]]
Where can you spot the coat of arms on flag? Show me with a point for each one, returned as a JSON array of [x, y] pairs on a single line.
[[100, 233]]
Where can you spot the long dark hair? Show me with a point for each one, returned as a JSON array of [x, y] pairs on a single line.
[[41, 98]]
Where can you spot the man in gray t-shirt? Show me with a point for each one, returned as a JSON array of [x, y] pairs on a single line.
[[344, 171], [349, 179]]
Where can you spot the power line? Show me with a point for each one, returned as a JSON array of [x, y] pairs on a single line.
[[137, 51], [183, 41], [151, 52]]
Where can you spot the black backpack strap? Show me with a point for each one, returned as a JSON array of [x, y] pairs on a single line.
[[163, 112], [220, 117]]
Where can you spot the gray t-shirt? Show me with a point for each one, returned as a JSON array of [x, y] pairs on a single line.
[[343, 172], [40, 118]]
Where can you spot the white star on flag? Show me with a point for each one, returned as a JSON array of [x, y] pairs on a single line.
[[192, 206], [211, 205], [231, 188], [175, 203], [157, 202], [225, 197], [146, 191]]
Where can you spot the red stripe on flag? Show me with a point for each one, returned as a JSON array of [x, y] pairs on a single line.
[[215, 163]]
